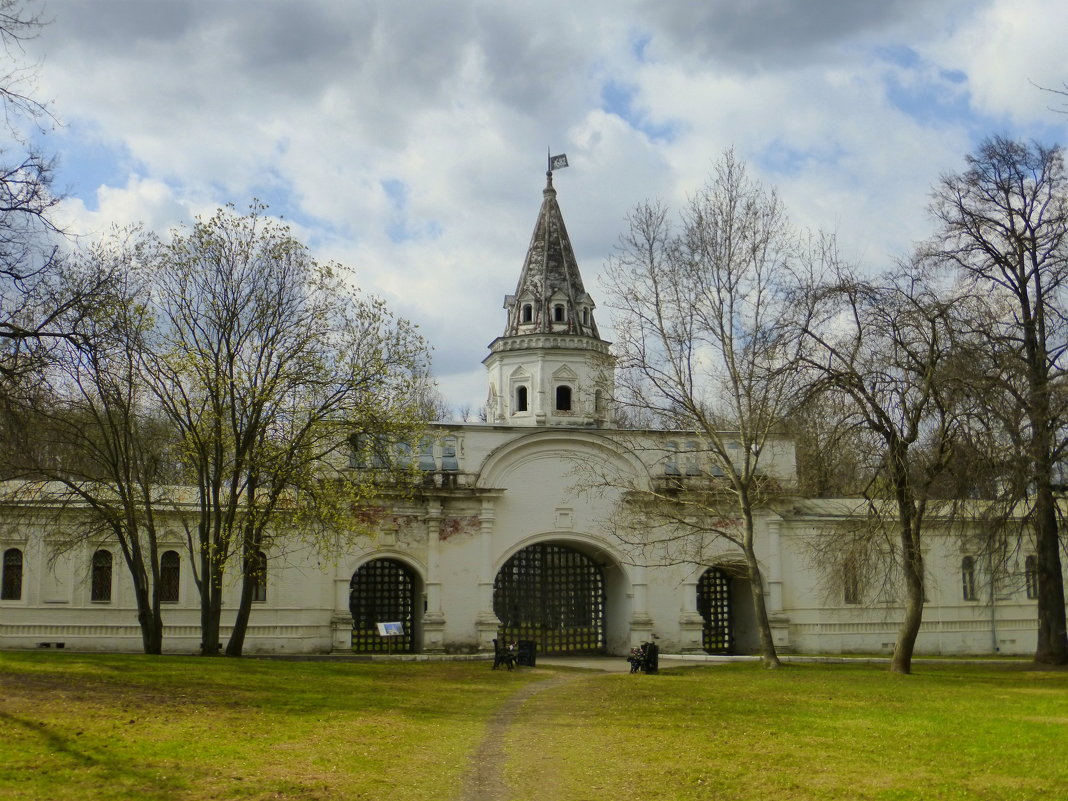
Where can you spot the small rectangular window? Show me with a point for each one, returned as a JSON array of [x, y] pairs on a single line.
[[12, 579], [967, 572], [563, 399], [258, 574], [170, 567], [1031, 577], [850, 583], [100, 588]]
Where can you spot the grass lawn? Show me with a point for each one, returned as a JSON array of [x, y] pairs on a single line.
[[87, 727], [77, 726], [803, 732]]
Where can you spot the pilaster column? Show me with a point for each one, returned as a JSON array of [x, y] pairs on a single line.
[[641, 622], [434, 617], [691, 624], [777, 618], [341, 621], [486, 623]]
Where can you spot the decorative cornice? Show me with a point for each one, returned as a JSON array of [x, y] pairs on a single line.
[[523, 342]]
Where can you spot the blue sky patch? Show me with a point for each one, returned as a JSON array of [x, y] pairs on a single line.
[[401, 227], [618, 98], [85, 162], [780, 158]]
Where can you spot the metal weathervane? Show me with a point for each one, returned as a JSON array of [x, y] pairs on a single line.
[[557, 162]]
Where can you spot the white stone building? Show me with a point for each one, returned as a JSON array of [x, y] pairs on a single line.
[[500, 543]]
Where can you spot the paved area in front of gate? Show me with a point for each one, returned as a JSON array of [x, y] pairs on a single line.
[[619, 664]]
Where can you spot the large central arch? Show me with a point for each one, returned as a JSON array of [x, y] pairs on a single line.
[[553, 595]]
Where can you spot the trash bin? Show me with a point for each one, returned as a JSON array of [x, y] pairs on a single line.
[[526, 653]]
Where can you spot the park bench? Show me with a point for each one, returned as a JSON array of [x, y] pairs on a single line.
[[503, 655]]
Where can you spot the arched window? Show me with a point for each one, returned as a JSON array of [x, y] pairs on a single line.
[[585, 316], [563, 398], [170, 570], [558, 313], [520, 399], [967, 574], [1031, 576], [598, 401], [100, 586], [850, 582], [12, 580], [528, 313], [258, 574]]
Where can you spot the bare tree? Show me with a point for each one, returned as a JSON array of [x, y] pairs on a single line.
[[1004, 226], [883, 352], [831, 447], [88, 445], [38, 302], [703, 348], [270, 368]]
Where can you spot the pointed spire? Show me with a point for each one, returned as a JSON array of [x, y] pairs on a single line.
[[550, 297]]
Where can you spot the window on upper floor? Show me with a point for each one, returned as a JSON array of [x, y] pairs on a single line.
[[449, 461], [11, 589], [521, 399], [426, 455], [100, 583], [563, 398], [526, 315], [170, 576], [585, 316], [693, 463], [967, 575], [558, 313], [671, 461]]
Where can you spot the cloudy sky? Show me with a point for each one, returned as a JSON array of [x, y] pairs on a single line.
[[408, 139]]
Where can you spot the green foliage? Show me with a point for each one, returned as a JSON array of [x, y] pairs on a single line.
[[268, 364]]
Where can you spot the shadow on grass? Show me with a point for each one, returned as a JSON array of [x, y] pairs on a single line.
[[89, 768]]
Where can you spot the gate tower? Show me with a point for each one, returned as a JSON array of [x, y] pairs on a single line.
[[550, 367]]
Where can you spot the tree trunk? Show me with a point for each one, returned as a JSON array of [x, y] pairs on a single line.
[[1052, 645], [768, 656], [910, 625], [150, 620], [210, 611], [910, 522], [236, 643]]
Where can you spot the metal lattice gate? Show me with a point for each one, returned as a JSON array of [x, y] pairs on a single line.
[[382, 591], [554, 596], [714, 604]]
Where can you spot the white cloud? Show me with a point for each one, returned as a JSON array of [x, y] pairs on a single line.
[[408, 139], [1007, 50]]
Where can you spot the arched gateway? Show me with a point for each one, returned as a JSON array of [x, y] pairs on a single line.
[[714, 604], [553, 595], [382, 591]]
